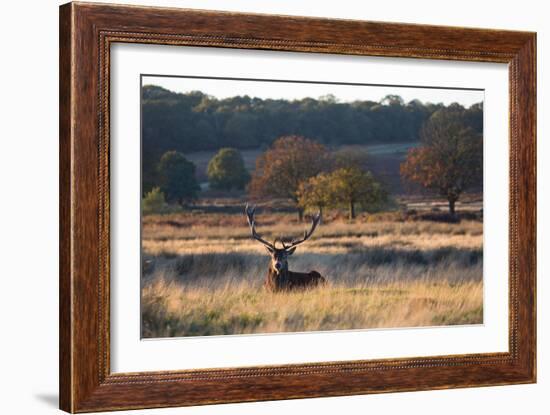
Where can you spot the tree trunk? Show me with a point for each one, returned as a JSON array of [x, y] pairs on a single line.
[[452, 202], [300, 214], [321, 210], [351, 210]]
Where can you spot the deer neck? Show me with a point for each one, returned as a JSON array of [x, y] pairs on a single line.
[[283, 271], [278, 277], [277, 280]]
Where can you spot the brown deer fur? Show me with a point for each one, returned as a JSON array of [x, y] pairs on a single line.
[[289, 281]]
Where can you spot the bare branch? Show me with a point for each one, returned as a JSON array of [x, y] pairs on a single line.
[[307, 234], [250, 210]]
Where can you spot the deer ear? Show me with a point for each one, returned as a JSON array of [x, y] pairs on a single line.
[[291, 251], [268, 249]]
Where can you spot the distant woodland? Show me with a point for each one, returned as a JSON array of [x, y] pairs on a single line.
[[194, 121]]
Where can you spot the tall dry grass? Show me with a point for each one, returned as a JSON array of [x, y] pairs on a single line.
[[204, 275]]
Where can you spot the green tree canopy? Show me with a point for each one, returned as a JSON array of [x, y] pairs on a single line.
[[226, 170], [315, 192], [177, 178], [350, 186], [450, 159], [154, 201]]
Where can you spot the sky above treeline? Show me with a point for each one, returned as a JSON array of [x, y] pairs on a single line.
[[224, 88]]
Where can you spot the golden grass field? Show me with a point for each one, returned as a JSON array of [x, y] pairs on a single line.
[[203, 275]]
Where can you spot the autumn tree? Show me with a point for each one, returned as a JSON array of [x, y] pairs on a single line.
[[350, 186], [315, 192], [287, 163], [450, 158], [177, 178], [226, 170]]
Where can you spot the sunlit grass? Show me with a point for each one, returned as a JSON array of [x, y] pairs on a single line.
[[203, 275], [170, 309]]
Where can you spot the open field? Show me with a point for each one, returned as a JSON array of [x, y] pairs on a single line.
[[203, 274]]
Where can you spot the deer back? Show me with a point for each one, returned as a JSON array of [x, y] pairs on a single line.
[[289, 280]]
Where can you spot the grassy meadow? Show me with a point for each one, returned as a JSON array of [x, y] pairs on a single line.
[[203, 274]]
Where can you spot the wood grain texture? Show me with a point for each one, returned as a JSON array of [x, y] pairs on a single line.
[[86, 33], [65, 247]]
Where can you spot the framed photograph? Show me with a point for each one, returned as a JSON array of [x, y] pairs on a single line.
[[258, 207]]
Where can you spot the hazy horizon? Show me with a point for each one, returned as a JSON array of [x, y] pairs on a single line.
[[269, 89]]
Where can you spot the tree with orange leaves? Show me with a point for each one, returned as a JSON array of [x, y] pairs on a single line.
[[450, 159], [289, 161]]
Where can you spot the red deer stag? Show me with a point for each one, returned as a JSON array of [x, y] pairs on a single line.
[[279, 278]]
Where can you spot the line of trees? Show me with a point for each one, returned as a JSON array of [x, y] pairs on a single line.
[[448, 161], [294, 168], [177, 182], [195, 121]]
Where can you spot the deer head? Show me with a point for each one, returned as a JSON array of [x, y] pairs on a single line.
[[279, 256]]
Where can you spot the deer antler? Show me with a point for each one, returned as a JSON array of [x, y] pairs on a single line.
[[249, 210], [307, 234]]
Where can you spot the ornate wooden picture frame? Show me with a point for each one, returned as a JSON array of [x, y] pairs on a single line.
[[87, 32]]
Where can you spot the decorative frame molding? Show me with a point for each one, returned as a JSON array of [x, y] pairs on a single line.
[[86, 33]]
